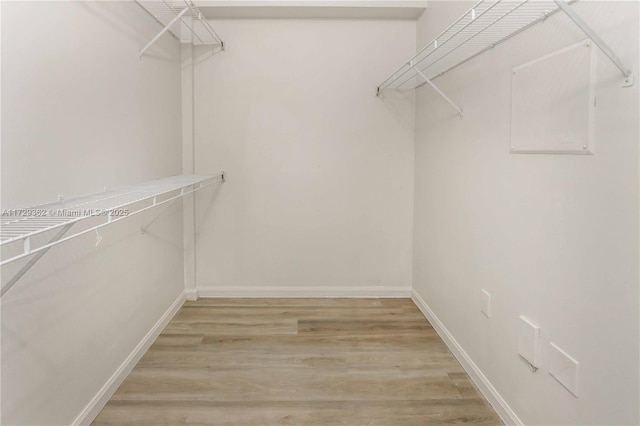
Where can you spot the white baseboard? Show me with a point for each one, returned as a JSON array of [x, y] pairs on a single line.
[[480, 380], [106, 392], [191, 294], [98, 402], [327, 291]]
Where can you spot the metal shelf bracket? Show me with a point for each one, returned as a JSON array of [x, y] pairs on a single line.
[[440, 92], [628, 79], [34, 259], [163, 30], [484, 26], [59, 217], [168, 12]]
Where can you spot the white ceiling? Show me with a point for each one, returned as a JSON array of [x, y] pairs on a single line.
[[363, 9]]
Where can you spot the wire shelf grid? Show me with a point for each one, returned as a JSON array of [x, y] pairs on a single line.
[[486, 24], [23, 224], [168, 13]]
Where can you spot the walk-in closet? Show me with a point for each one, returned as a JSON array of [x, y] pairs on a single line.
[[320, 212]]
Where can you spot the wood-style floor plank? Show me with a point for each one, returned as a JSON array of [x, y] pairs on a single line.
[[298, 362]]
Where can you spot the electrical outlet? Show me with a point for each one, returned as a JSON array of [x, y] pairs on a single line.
[[564, 369], [529, 342], [485, 304]]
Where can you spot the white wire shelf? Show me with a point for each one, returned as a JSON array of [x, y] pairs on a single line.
[[193, 26], [486, 24], [22, 225]]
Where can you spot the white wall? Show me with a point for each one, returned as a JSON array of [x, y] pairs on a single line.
[[81, 111], [320, 194], [552, 237], [320, 171]]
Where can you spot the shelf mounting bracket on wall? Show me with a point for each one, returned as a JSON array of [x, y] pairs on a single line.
[[168, 15], [26, 232], [626, 72], [164, 30], [437, 89], [484, 26], [34, 259]]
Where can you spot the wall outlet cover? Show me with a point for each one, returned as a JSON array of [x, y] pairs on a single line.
[[564, 368], [529, 341], [485, 304]]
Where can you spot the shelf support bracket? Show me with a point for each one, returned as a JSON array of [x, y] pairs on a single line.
[[33, 260], [143, 230], [437, 89], [628, 75], [164, 30]]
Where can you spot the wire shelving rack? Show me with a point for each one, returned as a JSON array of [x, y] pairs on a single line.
[[183, 20], [22, 226], [487, 24]]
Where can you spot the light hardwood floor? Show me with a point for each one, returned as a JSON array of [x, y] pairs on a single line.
[[298, 362]]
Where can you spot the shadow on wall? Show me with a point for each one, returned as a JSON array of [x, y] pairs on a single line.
[[207, 207], [204, 53], [401, 104], [88, 248], [128, 25]]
